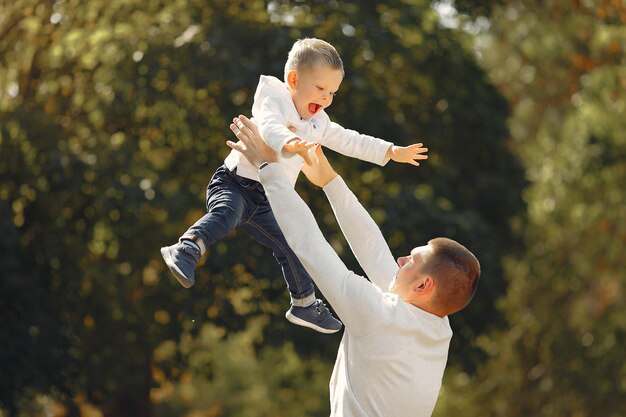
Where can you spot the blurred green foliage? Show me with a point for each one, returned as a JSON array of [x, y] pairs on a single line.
[[113, 116], [561, 65]]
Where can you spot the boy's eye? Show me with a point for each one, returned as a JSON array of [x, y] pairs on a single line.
[[322, 89]]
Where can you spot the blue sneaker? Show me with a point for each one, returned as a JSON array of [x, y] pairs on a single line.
[[316, 316], [181, 258]]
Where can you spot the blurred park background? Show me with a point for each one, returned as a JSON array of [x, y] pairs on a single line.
[[114, 115]]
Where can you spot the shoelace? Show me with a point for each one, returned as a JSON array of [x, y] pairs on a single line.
[[190, 250], [321, 309]]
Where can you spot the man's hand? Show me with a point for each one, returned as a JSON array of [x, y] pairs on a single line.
[[299, 146], [250, 144], [319, 172], [407, 154]]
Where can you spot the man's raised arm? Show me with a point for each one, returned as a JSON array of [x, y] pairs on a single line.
[[354, 299], [361, 232]]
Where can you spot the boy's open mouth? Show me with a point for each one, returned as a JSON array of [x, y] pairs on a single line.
[[314, 108]]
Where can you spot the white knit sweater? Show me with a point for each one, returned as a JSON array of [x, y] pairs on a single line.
[[392, 356], [274, 111]]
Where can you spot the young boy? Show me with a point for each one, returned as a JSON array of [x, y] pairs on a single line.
[[235, 198]]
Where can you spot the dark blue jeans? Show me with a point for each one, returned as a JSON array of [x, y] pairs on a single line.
[[233, 201]]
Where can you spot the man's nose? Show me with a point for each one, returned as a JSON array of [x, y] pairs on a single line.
[[401, 260]]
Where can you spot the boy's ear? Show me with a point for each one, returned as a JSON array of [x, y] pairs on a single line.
[[292, 79]]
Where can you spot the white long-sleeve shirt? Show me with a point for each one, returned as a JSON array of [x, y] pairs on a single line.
[[273, 111], [392, 355]]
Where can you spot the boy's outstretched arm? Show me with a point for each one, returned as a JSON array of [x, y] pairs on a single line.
[[407, 154]]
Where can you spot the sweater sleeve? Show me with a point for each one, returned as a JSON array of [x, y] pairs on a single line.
[[362, 234], [356, 145], [270, 109], [359, 303]]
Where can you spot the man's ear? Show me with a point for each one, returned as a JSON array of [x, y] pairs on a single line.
[[423, 286], [292, 79]]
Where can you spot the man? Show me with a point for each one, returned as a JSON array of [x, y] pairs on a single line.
[[395, 346]]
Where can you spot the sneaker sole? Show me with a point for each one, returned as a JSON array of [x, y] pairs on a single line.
[[178, 274], [303, 323]]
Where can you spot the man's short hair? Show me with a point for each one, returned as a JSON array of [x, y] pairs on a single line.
[[456, 272], [307, 52]]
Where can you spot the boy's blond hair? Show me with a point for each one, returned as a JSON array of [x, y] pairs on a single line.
[[308, 52]]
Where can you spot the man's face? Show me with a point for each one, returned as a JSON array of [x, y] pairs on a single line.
[[314, 89], [409, 271]]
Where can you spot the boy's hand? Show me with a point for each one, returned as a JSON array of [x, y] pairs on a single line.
[[407, 154], [301, 147]]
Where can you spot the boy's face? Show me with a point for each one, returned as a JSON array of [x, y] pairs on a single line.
[[313, 89]]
